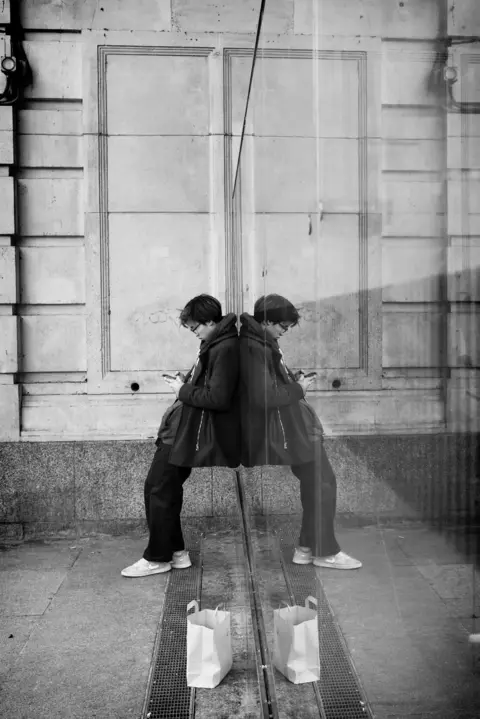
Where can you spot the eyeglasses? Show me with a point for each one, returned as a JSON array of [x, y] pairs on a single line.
[[284, 326], [193, 329]]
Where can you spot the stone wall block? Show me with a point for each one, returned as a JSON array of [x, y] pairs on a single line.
[[232, 16], [10, 399], [7, 223], [8, 344], [8, 284], [92, 15]]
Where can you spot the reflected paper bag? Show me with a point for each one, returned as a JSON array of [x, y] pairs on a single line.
[[296, 648], [209, 646]]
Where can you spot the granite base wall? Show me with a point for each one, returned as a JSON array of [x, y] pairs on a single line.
[[81, 488]]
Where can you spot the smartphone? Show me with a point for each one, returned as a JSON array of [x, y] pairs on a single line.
[[169, 376], [310, 374]]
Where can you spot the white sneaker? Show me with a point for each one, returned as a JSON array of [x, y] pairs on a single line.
[[302, 555], [337, 561], [142, 568], [181, 560]]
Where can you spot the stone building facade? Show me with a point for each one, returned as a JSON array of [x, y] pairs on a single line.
[[356, 196]]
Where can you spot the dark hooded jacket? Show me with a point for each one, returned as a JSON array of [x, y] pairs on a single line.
[[208, 434], [274, 430]]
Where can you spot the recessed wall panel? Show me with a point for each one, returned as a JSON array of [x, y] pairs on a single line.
[[412, 270], [170, 90], [316, 266], [159, 186], [286, 174], [157, 263], [412, 339], [285, 104], [158, 174]]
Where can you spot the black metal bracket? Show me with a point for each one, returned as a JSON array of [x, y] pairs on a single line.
[[450, 77], [444, 77], [15, 67]]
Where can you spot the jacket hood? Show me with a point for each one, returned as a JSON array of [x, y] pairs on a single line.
[[225, 329], [253, 330]]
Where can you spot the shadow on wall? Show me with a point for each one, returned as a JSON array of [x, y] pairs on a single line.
[[436, 477]]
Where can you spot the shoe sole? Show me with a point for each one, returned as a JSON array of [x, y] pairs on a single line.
[[181, 566], [335, 566], [147, 574], [302, 561]]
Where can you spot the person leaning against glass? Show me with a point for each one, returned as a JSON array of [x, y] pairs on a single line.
[[280, 428], [200, 429]]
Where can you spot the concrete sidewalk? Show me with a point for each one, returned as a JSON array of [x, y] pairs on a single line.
[[76, 638], [406, 616]]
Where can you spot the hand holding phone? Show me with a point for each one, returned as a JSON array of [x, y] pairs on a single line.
[[169, 376], [305, 380]]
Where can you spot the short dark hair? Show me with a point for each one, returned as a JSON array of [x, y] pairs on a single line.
[[202, 309], [275, 308]]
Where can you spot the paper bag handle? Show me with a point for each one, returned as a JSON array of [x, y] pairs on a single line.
[[222, 604], [310, 600], [192, 604]]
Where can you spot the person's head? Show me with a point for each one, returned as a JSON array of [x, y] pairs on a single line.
[[276, 314], [201, 315]]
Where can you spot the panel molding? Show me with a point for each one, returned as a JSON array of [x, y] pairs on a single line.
[[233, 235], [103, 53]]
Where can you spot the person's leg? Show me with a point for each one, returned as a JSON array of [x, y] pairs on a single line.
[[163, 494], [318, 493]]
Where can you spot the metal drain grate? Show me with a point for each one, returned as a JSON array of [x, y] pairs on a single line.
[[339, 694], [168, 696]]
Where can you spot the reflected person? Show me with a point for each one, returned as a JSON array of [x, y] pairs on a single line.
[[200, 429], [280, 428]]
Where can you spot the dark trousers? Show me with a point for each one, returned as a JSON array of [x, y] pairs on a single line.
[[318, 493], [163, 494]]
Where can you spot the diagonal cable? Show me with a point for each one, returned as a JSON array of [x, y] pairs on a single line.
[[250, 83]]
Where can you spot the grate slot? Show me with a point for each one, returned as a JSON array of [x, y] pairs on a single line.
[[168, 696], [339, 693], [266, 681]]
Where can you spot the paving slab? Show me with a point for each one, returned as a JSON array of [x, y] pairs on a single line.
[[437, 546], [41, 555], [452, 581], [28, 592], [14, 635], [90, 652], [409, 649]]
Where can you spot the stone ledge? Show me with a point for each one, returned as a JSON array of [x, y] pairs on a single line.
[[49, 417]]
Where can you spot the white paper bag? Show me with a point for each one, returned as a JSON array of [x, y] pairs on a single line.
[[296, 649], [209, 646]]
